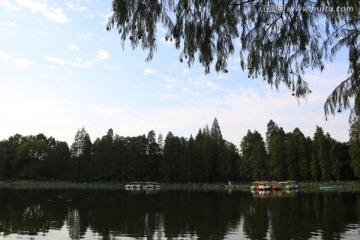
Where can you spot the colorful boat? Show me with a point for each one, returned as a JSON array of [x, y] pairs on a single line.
[[289, 186], [261, 186], [137, 186], [274, 186]]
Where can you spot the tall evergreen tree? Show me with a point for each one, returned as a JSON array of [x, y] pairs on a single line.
[[228, 165], [60, 160], [292, 154], [259, 161], [103, 162], [120, 151], [170, 166], [277, 157], [355, 147], [218, 147], [340, 158], [272, 129], [215, 131], [324, 157], [305, 149], [154, 156], [193, 167], [276, 143], [315, 163], [184, 161], [136, 158], [198, 157], [81, 155], [246, 145], [249, 166], [209, 157]]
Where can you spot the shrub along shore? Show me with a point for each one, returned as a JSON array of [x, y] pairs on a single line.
[[243, 186]]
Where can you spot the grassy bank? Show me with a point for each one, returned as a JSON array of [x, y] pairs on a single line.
[[303, 186], [27, 184]]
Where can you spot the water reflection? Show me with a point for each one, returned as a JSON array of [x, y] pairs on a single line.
[[178, 215]]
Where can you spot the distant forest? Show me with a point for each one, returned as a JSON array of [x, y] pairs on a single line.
[[207, 157]]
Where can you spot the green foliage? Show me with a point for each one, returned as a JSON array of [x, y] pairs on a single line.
[[81, 155], [305, 149], [207, 158], [324, 157], [228, 162], [3, 160], [315, 163], [275, 44], [253, 162], [292, 154], [277, 155], [340, 158], [259, 161], [104, 152], [171, 159], [38, 157], [355, 147], [276, 139]]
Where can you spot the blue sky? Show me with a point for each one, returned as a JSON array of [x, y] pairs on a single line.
[[61, 70]]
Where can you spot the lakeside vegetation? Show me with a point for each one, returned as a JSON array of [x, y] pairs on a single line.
[[206, 158], [348, 186]]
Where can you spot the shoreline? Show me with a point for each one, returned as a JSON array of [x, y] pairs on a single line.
[[348, 186]]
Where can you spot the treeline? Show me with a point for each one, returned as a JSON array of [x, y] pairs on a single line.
[[293, 156], [206, 158]]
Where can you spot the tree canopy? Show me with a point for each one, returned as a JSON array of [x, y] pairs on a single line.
[[207, 157], [279, 40]]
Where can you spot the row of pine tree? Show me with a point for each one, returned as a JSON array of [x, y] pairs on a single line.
[[205, 158]]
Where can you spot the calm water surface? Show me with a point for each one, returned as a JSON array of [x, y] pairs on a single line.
[[79, 214]]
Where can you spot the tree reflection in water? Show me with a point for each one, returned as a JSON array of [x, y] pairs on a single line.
[[177, 215]]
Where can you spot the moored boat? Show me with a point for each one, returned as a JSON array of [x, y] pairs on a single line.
[[274, 186], [261, 186], [290, 186], [137, 186]]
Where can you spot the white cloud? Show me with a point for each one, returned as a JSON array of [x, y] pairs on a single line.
[[149, 71], [79, 63], [111, 67], [202, 83], [76, 7], [6, 3], [55, 14], [90, 16], [103, 55], [85, 36], [42, 33], [22, 63], [74, 47], [4, 56], [8, 24], [55, 60]]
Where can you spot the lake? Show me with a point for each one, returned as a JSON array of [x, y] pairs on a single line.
[[90, 214]]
